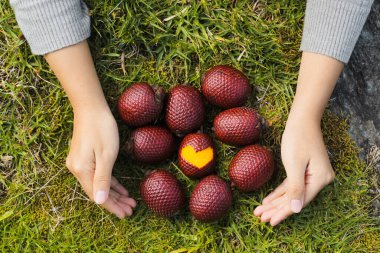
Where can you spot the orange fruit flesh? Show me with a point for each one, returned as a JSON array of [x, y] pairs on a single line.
[[197, 159]]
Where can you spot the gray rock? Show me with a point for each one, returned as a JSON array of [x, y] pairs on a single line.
[[357, 94]]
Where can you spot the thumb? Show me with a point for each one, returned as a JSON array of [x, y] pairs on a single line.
[[102, 180], [296, 190]]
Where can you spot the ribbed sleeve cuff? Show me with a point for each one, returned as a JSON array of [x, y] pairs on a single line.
[[332, 27], [49, 25]]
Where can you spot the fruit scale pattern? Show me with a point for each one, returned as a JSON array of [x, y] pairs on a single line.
[[251, 168], [162, 193], [238, 126], [140, 104], [151, 144], [211, 199], [225, 86], [185, 110]]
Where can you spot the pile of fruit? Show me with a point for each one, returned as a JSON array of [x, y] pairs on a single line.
[[140, 106]]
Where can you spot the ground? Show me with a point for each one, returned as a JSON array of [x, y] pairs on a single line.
[[43, 208]]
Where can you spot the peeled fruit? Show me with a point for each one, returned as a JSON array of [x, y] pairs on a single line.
[[225, 86], [150, 144], [162, 193], [196, 155], [251, 168], [238, 126], [211, 199], [185, 110], [141, 104]]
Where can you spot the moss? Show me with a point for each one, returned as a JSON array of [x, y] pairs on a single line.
[[370, 240]]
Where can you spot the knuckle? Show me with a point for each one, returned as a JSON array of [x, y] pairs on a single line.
[[76, 167], [330, 177], [68, 162]]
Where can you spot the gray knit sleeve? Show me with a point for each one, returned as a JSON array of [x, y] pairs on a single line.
[[332, 27], [49, 25]]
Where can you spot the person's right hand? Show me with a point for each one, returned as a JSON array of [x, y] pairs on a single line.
[[93, 151], [95, 142]]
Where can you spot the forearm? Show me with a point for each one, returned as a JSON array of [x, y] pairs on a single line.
[[316, 81], [75, 70], [331, 30]]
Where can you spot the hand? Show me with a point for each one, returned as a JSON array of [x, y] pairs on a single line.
[[308, 170], [93, 151], [95, 142], [304, 154]]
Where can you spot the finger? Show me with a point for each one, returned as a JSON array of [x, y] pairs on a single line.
[[280, 200], [118, 187], [122, 201], [261, 209], [285, 211], [266, 216], [114, 195], [281, 214], [114, 208], [319, 174], [258, 211], [269, 205], [129, 201], [120, 198], [312, 190], [296, 187], [280, 190], [86, 183], [127, 208], [102, 178]]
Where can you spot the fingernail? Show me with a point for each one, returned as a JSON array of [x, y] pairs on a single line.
[[100, 197], [256, 211], [296, 205]]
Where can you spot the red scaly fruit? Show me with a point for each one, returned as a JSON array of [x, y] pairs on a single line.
[[211, 199], [196, 155], [150, 144], [185, 110], [251, 168], [238, 126], [141, 104], [162, 193], [225, 86]]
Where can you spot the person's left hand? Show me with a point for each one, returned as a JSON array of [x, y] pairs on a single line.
[[308, 170]]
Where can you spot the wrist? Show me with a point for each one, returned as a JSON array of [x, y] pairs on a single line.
[[88, 100], [303, 118], [306, 110], [92, 109]]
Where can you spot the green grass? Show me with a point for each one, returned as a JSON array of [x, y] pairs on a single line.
[[43, 209]]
